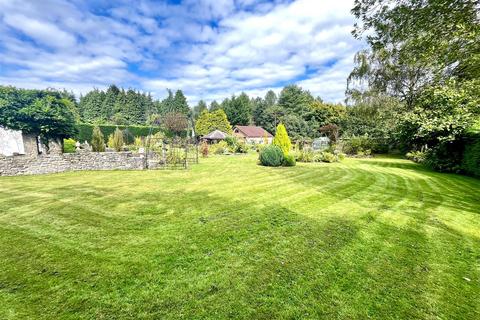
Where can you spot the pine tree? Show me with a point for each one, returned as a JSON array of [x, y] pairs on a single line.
[[282, 140], [115, 140], [134, 111], [150, 107], [238, 110], [199, 108], [167, 105], [214, 105], [98, 143], [180, 103], [270, 98], [108, 105], [91, 106], [295, 100]]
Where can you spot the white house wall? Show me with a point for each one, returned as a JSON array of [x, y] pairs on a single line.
[[11, 141]]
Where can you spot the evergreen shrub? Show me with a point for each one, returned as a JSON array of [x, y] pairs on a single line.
[[271, 156]]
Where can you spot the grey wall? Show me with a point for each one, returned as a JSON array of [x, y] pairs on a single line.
[[84, 160]]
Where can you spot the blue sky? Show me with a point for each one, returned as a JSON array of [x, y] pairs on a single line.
[[208, 48]]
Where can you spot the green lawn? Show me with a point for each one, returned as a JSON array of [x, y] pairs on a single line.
[[367, 238]]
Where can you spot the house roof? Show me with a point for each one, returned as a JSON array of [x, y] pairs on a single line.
[[215, 135], [253, 131]]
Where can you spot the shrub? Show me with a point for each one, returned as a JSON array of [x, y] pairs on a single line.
[[85, 131], [416, 156], [259, 147], [69, 145], [115, 140], [242, 147], [98, 142], [219, 148], [360, 144], [282, 140], [317, 157], [329, 157], [471, 158], [341, 156], [138, 142], [304, 155], [289, 160], [445, 157], [204, 149], [231, 141], [175, 157], [236, 146], [271, 156]]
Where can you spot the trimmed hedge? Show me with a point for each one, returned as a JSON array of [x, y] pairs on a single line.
[[471, 156], [130, 132]]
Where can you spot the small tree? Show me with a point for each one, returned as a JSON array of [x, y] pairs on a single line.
[[115, 140], [282, 140], [332, 131], [204, 149], [209, 121], [98, 143], [175, 123]]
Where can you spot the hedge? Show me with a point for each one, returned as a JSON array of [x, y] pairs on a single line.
[[471, 155], [85, 132]]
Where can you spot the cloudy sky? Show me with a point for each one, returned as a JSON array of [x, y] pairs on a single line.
[[208, 48]]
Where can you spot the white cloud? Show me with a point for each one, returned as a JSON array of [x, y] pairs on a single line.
[[209, 48], [40, 31]]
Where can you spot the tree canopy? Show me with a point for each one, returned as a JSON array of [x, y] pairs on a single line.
[[46, 113], [210, 121]]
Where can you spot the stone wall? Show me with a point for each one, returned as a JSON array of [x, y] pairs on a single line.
[[82, 160]]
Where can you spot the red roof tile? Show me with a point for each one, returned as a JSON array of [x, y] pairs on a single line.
[[253, 131]]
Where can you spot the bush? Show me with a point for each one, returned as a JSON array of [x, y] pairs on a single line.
[[115, 140], [304, 155], [471, 157], [361, 145], [259, 147], [329, 157], [236, 146], [175, 156], [317, 157], [98, 141], [341, 156], [289, 160], [85, 132], [204, 149], [416, 156], [445, 157], [242, 147], [69, 145], [271, 156], [219, 148]]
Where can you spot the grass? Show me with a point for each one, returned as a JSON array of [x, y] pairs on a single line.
[[376, 238]]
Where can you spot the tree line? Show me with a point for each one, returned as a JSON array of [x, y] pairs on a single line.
[[127, 107], [301, 113]]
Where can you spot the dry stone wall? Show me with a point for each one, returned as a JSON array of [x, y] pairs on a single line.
[[83, 160]]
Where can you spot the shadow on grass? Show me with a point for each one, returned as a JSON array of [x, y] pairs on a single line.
[[199, 255], [382, 189]]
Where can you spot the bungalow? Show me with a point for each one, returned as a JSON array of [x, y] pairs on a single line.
[[252, 134]]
